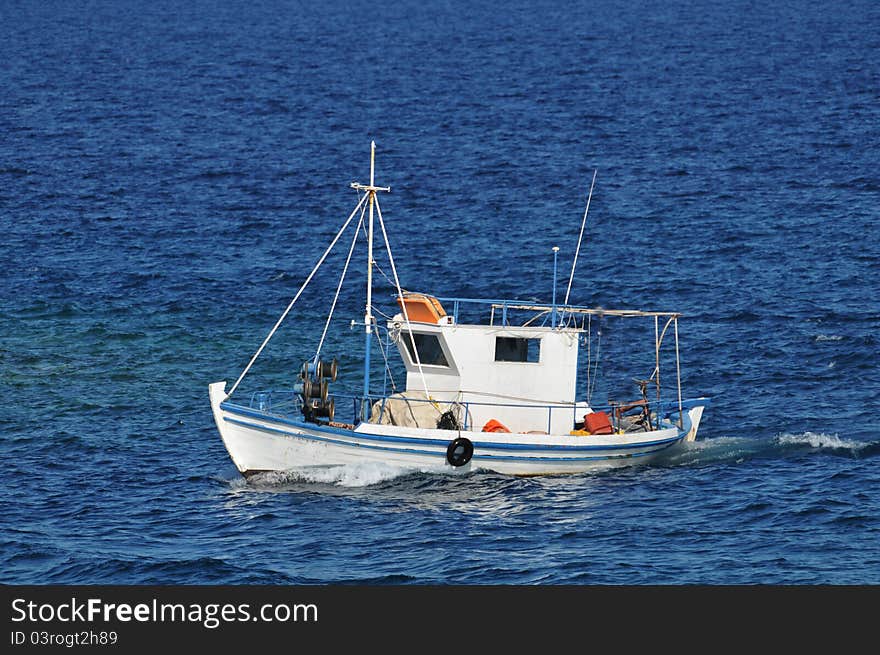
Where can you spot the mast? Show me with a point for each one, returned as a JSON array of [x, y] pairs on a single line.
[[368, 313], [368, 309]]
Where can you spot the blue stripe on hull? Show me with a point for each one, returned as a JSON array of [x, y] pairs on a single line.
[[342, 442], [442, 454], [243, 411]]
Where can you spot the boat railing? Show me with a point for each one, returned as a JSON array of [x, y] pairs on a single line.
[[500, 309], [350, 408], [282, 402]]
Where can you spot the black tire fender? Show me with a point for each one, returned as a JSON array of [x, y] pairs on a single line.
[[460, 451]]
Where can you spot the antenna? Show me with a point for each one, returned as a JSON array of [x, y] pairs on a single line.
[[580, 238], [555, 257]]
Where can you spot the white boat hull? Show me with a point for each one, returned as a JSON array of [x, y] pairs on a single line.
[[259, 441]]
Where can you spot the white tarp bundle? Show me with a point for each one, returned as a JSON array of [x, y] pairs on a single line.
[[411, 409]]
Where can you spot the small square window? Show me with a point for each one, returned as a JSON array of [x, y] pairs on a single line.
[[428, 345], [516, 349]]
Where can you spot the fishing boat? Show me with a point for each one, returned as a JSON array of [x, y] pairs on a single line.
[[499, 393]]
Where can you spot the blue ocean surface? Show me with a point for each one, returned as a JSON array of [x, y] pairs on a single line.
[[171, 171]]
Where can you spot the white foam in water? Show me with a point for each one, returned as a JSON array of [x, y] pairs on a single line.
[[716, 449], [820, 440], [346, 475], [828, 337], [716, 443]]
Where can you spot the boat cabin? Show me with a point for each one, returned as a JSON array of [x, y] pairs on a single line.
[[521, 377]]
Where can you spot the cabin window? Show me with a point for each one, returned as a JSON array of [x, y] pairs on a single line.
[[516, 349], [430, 351]]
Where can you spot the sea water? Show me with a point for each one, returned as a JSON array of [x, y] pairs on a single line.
[[170, 172]]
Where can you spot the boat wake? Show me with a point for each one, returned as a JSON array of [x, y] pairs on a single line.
[[738, 449], [362, 474], [829, 442], [706, 452], [829, 337]]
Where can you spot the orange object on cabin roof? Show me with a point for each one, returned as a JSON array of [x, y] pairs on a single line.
[[422, 308]]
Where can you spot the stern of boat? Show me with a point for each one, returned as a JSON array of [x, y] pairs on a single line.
[[695, 413]]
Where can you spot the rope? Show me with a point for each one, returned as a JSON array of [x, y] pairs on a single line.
[[403, 306], [339, 286], [383, 314], [526, 402], [596, 367], [589, 317], [295, 298], [385, 357], [544, 313], [379, 268]]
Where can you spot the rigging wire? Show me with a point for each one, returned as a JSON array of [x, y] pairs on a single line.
[[387, 317], [403, 306], [379, 268], [596, 366], [589, 319], [385, 357], [295, 298], [339, 286], [580, 238]]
